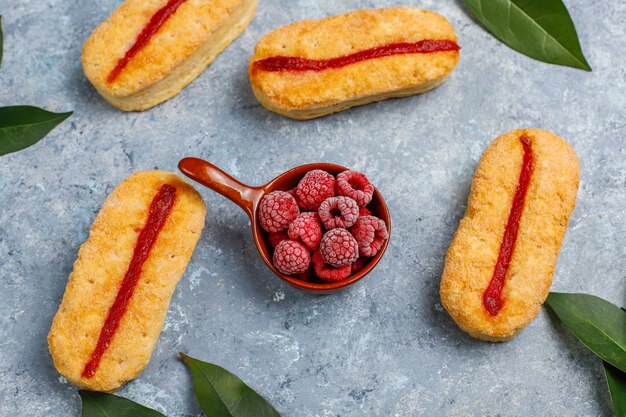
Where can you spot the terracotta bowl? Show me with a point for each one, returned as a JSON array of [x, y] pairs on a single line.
[[248, 198]]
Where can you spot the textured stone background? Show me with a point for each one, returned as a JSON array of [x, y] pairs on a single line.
[[383, 348]]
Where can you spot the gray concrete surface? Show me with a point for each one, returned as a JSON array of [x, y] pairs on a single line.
[[383, 348]]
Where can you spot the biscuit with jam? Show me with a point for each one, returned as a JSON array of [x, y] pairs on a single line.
[[117, 296], [146, 52], [312, 68], [500, 264]]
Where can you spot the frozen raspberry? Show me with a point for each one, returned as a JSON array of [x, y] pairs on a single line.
[[307, 228], [315, 187], [371, 233], [277, 237], [292, 193], [291, 257], [339, 248], [358, 265], [338, 212], [326, 272], [277, 210], [355, 185], [364, 211]]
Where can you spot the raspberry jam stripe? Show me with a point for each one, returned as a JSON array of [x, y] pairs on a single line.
[[160, 209], [290, 63], [492, 297], [153, 26]]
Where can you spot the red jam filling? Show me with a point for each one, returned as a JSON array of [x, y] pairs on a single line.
[[492, 298], [153, 26], [160, 209], [290, 63]]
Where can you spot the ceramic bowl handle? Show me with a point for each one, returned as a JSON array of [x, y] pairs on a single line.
[[219, 181]]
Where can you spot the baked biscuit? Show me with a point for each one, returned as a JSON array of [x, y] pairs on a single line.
[[500, 264], [117, 296], [312, 68], [147, 51]]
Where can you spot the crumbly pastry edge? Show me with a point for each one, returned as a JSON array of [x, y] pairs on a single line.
[[315, 111]]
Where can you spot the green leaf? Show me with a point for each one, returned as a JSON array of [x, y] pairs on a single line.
[[1, 40], [616, 380], [23, 126], [100, 404], [222, 394], [541, 29], [600, 325]]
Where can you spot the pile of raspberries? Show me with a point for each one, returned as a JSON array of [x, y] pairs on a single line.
[[322, 228]]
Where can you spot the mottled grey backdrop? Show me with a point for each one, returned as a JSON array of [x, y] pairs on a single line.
[[382, 348]]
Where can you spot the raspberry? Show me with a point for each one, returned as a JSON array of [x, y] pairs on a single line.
[[315, 187], [275, 238], [277, 210], [364, 211], [355, 185], [291, 257], [339, 248], [357, 265], [328, 273], [307, 228], [338, 212], [370, 232]]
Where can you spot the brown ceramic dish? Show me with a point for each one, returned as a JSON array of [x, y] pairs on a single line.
[[248, 199]]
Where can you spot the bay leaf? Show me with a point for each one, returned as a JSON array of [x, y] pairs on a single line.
[[222, 394], [100, 404], [23, 126], [599, 324], [540, 29], [616, 380]]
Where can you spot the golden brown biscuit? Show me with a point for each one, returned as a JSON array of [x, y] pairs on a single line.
[[528, 175], [372, 54], [147, 51], [156, 211]]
